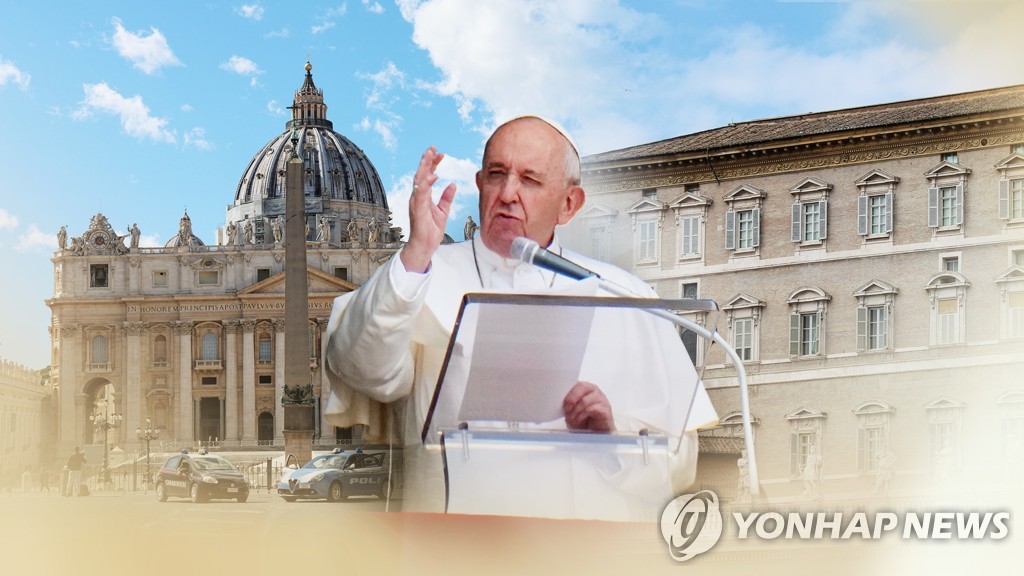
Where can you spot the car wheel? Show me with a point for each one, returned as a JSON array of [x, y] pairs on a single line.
[[161, 492], [385, 489], [194, 493], [289, 498], [335, 493], [243, 497]]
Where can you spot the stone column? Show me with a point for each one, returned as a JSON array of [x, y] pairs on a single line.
[[183, 330], [279, 365], [82, 410], [133, 378], [70, 366], [230, 406], [197, 415], [248, 380]]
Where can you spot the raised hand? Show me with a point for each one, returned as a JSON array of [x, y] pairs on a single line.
[[427, 220]]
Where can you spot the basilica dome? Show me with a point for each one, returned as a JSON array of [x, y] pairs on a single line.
[[339, 181]]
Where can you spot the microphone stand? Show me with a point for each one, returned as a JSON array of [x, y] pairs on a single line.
[[741, 373]]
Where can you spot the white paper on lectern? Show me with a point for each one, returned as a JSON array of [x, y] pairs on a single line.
[[525, 359]]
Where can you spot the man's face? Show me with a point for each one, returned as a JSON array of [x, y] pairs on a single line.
[[524, 190]]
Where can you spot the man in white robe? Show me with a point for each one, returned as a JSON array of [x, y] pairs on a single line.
[[387, 340]]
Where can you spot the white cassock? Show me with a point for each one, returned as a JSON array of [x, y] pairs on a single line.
[[387, 343]]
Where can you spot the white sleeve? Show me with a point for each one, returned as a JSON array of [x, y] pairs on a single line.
[[369, 346]]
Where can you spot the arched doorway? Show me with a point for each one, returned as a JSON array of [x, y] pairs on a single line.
[[101, 400], [265, 429]]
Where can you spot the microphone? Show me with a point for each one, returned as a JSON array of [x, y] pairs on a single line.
[[528, 251]]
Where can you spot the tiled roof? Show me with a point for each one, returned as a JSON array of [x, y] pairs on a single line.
[[720, 444], [745, 134]]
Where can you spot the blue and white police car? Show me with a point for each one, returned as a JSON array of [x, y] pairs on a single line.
[[337, 476]]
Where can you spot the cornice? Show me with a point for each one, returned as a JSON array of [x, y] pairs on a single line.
[[798, 157]]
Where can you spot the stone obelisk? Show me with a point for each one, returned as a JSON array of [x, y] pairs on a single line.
[[298, 390]]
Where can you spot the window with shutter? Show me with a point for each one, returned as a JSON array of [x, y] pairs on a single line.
[[745, 229], [1016, 199], [743, 338]]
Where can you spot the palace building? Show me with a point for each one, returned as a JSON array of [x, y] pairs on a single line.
[[869, 266], [191, 335]]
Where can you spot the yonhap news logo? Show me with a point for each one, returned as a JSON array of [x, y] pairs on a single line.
[[692, 524]]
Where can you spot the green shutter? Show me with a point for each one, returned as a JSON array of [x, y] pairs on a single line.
[[794, 454], [1004, 199], [822, 219], [756, 226], [862, 328], [797, 232], [730, 230], [959, 204], [933, 207], [862, 215], [889, 209], [794, 334]]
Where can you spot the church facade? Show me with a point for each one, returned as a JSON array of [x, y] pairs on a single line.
[[869, 266], [191, 335]]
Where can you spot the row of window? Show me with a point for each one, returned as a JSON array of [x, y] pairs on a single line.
[[209, 349], [99, 276], [809, 218], [875, 312], [944, 416]]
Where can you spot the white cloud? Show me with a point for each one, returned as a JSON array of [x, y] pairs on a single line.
[[241, 66], [380, 100], [327, 19], [388, 77], [147, 53], [9, 73], [150, 241], [318, 28], [274, 108], [36, 239], [134, 115], [373, 6], [196, 138], [282, 33], [250, 11], [408, 8], [386, 130], [606, 73], [451, 170], [8, 221], [552, 59], [186, 108], [383, 128]]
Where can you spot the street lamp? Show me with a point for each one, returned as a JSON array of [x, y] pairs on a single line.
[[104, 421], [146, 435]]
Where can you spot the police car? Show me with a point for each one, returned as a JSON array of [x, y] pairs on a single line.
[[337, 476], [200, 477]]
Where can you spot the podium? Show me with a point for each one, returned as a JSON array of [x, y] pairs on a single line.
[[496, 420]]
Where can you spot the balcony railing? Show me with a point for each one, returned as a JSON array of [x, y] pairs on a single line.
[[208, 365]]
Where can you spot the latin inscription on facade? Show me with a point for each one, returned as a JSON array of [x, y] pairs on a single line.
[[227, 307]]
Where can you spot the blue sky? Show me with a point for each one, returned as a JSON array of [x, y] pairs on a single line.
[[142, 109]]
